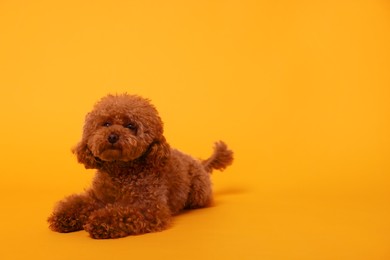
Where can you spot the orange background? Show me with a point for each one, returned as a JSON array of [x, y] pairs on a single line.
[[300, 90]]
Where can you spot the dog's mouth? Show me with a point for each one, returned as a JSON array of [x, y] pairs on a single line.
[[123, 150], [113, 147], [114, 154], [111, 153], [98, 159]]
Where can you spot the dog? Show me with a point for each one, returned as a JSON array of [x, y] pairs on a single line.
[[140, 182]]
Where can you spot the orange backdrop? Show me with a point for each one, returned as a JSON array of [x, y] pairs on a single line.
[[298, 89]]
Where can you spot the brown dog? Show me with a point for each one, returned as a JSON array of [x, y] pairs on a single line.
[[140, 181]]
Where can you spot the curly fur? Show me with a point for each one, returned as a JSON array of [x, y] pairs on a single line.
[[140, 182]]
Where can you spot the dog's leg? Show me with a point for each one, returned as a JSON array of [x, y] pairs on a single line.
[[71, 213], [201, 193], [118, 220]]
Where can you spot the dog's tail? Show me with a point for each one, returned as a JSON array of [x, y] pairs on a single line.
[[220, 159]]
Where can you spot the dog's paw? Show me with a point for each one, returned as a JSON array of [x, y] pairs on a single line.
[[117, 221], [107, 223], [99, 230], [64, 223]]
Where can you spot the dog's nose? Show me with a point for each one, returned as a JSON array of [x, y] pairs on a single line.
[[113, 138]]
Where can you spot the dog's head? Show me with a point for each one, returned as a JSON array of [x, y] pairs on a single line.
[[121, 128]]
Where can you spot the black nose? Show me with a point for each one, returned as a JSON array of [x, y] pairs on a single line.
[[113, 138]]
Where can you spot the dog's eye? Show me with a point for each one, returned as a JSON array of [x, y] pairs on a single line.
[[131, 127], [106, 124]]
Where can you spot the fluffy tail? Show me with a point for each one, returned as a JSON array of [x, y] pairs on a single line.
[[220, 159]]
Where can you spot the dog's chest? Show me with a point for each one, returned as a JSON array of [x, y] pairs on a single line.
[[115, 188]]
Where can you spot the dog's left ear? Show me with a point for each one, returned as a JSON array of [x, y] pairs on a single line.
[[158, 152], [85, 156]]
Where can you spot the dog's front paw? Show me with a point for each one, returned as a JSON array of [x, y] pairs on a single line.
[[71, 213], [101, 230], [116, 221], [107, 223], [64, 223]]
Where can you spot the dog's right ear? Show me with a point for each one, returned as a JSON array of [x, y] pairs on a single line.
[[85, 156]]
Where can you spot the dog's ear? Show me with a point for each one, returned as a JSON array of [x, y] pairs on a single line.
[[159, 151], [85, 156]]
